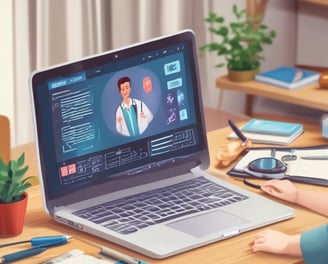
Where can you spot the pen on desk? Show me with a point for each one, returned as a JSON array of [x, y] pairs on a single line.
[[111, 253], [119, 256], [238, 132], [21, 254], [50, 241], [45, 241], [320, 157]]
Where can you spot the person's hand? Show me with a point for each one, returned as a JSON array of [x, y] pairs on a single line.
[[272, 241], [282, 189], [119, 119]]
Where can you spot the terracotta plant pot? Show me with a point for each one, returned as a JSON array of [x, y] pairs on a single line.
[[12, 216], [242, 76]]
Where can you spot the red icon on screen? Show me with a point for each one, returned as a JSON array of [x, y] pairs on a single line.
[[68, 170], [147, 85]]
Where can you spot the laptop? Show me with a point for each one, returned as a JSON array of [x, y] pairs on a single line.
[[123, 151]]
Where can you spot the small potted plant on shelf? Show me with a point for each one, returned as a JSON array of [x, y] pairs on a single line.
[[13, 196], [239, 42]]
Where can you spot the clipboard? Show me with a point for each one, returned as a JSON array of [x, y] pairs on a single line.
[[310, 165]]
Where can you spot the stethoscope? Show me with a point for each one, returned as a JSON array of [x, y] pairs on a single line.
[[267, 168]]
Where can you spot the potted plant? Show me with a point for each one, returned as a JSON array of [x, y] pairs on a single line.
[[239, 42], [13, 196]]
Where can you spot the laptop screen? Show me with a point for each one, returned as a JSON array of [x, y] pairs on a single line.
[[118, 114]]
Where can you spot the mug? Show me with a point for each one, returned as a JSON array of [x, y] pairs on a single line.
[[324, 125]]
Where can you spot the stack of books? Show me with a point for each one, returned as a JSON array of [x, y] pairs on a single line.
[[270, 131]]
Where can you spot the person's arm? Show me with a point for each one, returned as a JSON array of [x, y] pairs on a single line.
[[286, 190], [315, 201], [314, 245]]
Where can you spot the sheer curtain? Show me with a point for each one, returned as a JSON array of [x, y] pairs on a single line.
[[50, 32]]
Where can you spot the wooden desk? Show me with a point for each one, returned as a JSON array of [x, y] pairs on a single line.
[[233, 250], [311, 96]]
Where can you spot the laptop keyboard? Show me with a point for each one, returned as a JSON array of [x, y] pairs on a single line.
[[129, 214]]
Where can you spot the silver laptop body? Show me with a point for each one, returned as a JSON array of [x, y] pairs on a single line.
[[143, 160]]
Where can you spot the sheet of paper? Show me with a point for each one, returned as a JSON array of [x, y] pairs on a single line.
[[314, 168]]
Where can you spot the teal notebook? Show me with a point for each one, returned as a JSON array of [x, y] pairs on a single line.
[[289, 78], [270, 127]]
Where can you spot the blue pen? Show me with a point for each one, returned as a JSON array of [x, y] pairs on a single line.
[[45, 241], [49, 241], [21, 254]]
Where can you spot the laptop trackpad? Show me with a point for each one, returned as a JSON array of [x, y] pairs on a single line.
[[209, 223]]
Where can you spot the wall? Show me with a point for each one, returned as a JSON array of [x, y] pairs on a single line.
[[212, 96], [6, 65], [312, 34]]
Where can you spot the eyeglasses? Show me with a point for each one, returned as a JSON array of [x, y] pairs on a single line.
[[268, 168]]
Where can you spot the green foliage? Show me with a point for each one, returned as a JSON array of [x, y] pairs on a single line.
[[240, 42], [12, 181]]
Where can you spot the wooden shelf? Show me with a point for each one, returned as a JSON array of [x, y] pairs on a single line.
[[310, 96]]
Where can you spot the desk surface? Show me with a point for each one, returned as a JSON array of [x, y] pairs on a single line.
[[233, 250], [310, 96]]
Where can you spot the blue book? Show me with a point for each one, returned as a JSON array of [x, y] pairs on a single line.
[[288, 77], [271, 127]]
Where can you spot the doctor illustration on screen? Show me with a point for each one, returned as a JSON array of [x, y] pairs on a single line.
[[132, 115]]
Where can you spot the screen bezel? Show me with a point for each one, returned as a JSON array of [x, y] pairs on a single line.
[[170, 167]]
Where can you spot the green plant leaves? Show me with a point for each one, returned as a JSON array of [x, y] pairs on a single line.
[[214, 18], [222, 31], [241, 41], [238, 13], [12, 181]]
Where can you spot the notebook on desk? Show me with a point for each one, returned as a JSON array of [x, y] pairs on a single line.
[[305, 164], [123, 151]]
